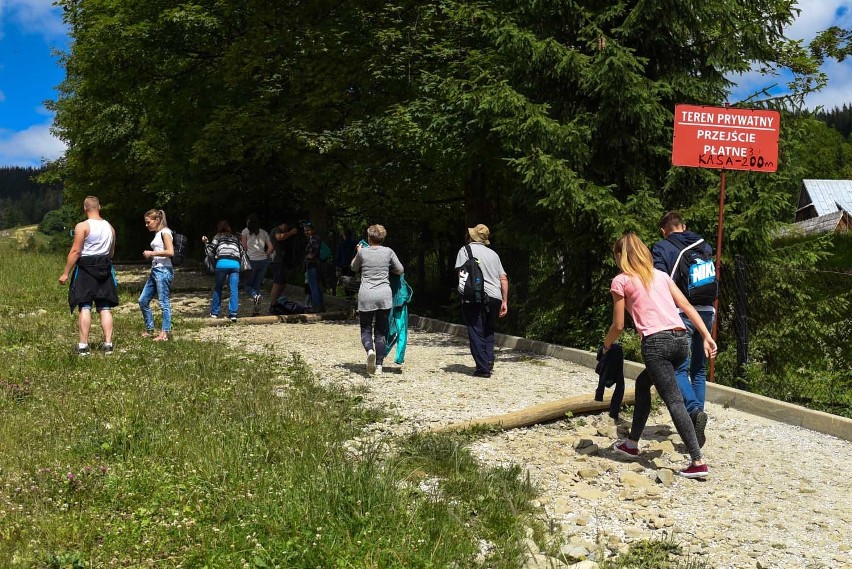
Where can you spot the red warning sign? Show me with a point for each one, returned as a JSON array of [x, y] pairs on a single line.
[[729, 139]]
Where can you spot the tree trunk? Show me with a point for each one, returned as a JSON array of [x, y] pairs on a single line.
[[540, 413]]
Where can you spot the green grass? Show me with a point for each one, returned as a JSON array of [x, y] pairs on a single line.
[[181, 454], [191, 454], [655, 554]]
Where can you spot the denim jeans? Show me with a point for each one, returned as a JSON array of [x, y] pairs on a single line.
[[692, 373], [663, 352], [317, 300], [255, 281], [159, 284], [233, 278], [375, 323]]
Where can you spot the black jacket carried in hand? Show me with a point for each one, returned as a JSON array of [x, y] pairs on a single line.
[[93, 280], [610, 370]]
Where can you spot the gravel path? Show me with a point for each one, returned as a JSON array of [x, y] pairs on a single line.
[[778, 496]]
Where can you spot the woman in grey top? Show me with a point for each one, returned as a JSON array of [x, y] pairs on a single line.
[[375, 298]]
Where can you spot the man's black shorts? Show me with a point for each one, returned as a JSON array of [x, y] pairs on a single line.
[[279, 274]]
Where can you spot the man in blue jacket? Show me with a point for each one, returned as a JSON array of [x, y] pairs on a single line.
[[691, 375]]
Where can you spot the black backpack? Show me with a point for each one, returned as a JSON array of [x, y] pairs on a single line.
[[472, 281], [284, 306], [695, 274], [179, 243]]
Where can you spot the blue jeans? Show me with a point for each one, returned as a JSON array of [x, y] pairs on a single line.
[[233, 278], [255, 281], [692, 373], [317, 300], [663, 352], [159, 284]]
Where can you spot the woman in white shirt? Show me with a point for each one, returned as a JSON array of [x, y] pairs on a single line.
[[258, 246], [159, 282]]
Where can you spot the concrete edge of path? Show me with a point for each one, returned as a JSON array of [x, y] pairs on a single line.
[[780, 411]]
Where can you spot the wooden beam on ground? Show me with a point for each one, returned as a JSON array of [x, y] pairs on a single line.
[[541, 413], [283, 318]]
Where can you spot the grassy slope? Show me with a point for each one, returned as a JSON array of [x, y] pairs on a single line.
[[180, 454], [188, 454]]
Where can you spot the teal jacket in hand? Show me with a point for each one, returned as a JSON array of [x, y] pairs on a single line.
[[398, 317]]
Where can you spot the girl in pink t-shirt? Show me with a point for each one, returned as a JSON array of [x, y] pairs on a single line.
[[652, 299]]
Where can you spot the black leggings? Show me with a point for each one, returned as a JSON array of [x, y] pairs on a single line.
[[380, 317], [663, 353]]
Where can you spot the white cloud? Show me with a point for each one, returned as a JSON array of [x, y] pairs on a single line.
[[839, 88], [817, 15], [2, 96], [30, 146], [33, 16]]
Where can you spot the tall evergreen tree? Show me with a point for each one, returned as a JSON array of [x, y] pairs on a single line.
[[548, 120]]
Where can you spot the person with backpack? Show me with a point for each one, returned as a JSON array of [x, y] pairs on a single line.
[[653, 299], [688, 260], [484, 290], [225, 249], [375, 297], [258, 247], [159, 282]]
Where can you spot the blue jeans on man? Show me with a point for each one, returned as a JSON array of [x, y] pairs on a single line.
[[692, 373], [232, 275], [159, 285]]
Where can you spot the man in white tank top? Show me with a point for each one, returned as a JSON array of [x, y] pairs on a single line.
[[90, 258]]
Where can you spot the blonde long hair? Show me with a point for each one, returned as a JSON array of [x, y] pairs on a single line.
[[634, 258], [159, 215]]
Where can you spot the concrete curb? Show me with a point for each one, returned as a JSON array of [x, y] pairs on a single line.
[[759, 405]]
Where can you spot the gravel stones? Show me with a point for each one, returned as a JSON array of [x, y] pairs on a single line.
[[778, 495]]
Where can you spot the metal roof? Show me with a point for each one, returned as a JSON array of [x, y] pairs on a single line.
[[829, 196], [823, 224]]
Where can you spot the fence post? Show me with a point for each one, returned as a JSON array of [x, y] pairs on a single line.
[[741, 312]]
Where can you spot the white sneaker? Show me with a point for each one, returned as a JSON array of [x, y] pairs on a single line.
[[371, 361], [378, 370]]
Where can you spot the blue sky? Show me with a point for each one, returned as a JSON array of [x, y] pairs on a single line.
[[30, 30]]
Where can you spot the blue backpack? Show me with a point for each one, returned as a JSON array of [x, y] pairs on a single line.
[[695, 274]]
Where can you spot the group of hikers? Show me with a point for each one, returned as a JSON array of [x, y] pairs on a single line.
[[667, 290]]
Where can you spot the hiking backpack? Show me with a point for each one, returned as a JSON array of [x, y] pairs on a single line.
[[284, 306], [695, 274], [472, 281], [179, 244]]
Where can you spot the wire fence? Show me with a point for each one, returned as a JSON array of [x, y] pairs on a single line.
[[786, 332]]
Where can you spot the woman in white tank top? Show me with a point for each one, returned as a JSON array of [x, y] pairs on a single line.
[[159, 283]]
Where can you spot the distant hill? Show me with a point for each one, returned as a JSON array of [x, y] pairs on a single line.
[[23, 201], [839, 118]]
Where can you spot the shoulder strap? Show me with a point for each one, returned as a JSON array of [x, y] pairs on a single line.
[[469, 252], [677, 261]]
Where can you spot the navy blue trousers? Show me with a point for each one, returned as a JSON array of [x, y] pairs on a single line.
[[481, 322]]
